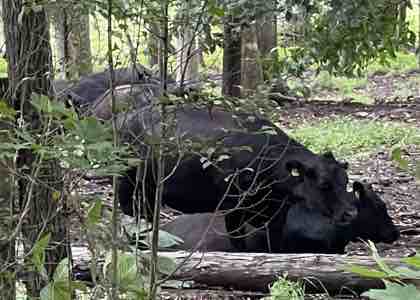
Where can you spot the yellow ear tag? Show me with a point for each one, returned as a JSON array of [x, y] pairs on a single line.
[[295, 172]]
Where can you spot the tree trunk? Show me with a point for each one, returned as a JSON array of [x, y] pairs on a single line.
[[153, 45], [231, 59], [72, 36], [251, 71], [267, 42], [29, 58], [7, 225], [58, 18], [81, 32], [187, 50]]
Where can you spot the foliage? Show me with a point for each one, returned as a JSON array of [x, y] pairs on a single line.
[[3, 67], [393, 278], [404, 61], [343, 37], [286, 289], [348, 136], [61, 287]]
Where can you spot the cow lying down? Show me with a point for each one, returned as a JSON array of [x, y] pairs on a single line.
[[304, 231]]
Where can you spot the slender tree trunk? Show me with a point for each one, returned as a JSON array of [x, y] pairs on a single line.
[[187, 50], [251, 69], [153, 45], [81, 30], [7, 225], [267, 43], [40, 184], [231, 60], [72, 37]]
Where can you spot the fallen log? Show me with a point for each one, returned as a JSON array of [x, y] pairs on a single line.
[[257, 271]]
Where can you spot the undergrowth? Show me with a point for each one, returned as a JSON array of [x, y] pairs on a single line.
[[348, 136], [284, 289]]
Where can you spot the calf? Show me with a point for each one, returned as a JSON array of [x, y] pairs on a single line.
[[373, 221], [252, 174], [308, 231]]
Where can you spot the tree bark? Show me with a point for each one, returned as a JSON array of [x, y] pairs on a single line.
[[231, 59], [267, 41], [187, 50], [251, 69], [153, 44], [7, 224], [30, 66], [72, 36], [256, 272]]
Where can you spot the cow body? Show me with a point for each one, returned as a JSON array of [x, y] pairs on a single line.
[[256, 168], [304, 231]]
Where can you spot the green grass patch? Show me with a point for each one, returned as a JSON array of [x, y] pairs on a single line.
[[348, 136], [345, 87], [405, 61]]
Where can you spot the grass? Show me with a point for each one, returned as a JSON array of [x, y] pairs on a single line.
[[349, 137], [404, 62], [345, 87], [284, 289]]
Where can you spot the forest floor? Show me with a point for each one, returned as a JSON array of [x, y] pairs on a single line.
[[397, 187]]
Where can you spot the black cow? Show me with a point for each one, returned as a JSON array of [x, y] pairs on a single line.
[[255, 163], [127, 98], [207, 232], [91, 87], [373, 221], [305, 230], [309, 231]]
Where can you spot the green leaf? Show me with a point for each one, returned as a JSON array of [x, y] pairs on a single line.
[[394, 291], [6, 112], [396, 156], [366, 272], [61, 273], [94, 213], [38, 254], [407, 273], [413, 260], [167, 240]]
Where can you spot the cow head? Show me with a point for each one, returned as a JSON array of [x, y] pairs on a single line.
[[308, 231], [323, 187], [373, 221]]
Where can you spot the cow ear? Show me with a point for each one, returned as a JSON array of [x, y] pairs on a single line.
[[344, 165], [358, 189], [295, 168]]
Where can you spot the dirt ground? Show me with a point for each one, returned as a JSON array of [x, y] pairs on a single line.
[[398, 188]]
